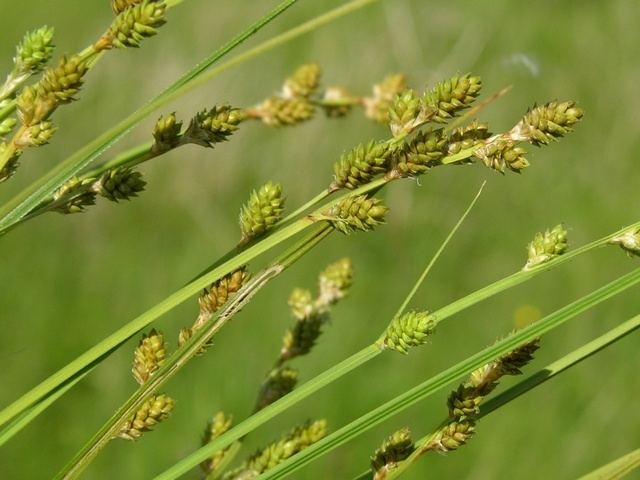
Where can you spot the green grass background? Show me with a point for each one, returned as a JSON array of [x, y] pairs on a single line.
[[66, 282]]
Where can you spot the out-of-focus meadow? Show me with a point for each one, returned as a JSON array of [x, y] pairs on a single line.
[[68, 281]]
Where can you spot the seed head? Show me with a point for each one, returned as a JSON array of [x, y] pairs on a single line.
[[404, 113], [470, 136], [120, 183], [166, 133], [120, 6], [304, 82], [279, 382], [277, 111], [501, 153], [35, 50], [217, 426], [134, 24], [546, 246], [148, 356], [215, 125], [301, 303], [357, 213], [335, 281], [396, 448], [79, 195], [545, 123], [362, 164], [424, 151], [156, 409], [410, 330], [37, 135], [219, 292], [454, 435], [262, 211], [450, 97]]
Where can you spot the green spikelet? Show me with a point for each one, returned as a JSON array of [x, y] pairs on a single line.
[[501, 153], [629, 241], [396, 448], [356, 213], [136, 23], [37, 135], [424, 151], [454, 435], [166, 133], [278, 383], [78, 193], [156, 409], [60, 84], [219, 292], [120, 6], [35, 50], [148, 356], [361, 165], [466, 399], [304, 82], [335, 281], [301, 303], [546, 246], [404, 113], [214, 126], [262, 211], [410, 330], [511, 363], [548, 122], [450, 97], [295, 441], [277, 111], [120, 183], [469, 136], [377, 106], [217, 426]]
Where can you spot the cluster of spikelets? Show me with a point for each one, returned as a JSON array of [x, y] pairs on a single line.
[[310, 315], [629, 241], [464, 409], [60, 84], [546, 246]]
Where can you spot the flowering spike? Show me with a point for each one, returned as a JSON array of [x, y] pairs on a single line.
[[35, 50], [453, 435], [277, 111], [148, 356], [120, 6], [217, 426], [279, 382], [501, 153], [335, 281], [262, 211], [214, 126], [219, 292], [396, 448], [304, 82], [156, 409], [425, 150], [78, 195], [120, 183], [546, 246], [361, 164], [469, 136], [134, 24], [409, 330], [166, 133], [545, 123], [451, 96], [356, 213], [404, 113]]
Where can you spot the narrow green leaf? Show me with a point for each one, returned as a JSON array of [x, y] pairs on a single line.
[[617, 469], [29, 199], [441, 380]]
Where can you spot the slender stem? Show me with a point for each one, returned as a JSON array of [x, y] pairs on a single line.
[[435, 258], [8, 109], [617, 469], [199, 340]]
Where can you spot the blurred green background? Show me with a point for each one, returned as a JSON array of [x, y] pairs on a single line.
[[69, 281]]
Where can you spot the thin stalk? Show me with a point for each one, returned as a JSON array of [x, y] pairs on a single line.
[[616, 470], [185, 353], [538, 378], [435, 258], [29, 198], [7, 110], [434, 384]]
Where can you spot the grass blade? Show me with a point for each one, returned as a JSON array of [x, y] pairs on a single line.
[[617, 469]]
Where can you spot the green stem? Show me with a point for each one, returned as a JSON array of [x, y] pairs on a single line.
[[7, 110], [185, 353], [616, 470], [434, 384]]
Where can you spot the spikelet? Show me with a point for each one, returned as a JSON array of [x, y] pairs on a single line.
[[396, 448], [217, 426], [278, 112], [134, 24], [357, 213], [424, 151], [262, 211], [166, 133], [409, 330], [629, 241], [35, 50], [450, 97], [78, 193], [546, 123], [155, 410], [214, 126], [335, 281], [120, 183], [377, 106], [546, 246], [304, 82], [361, 164], [278, 383], [148, 356]]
